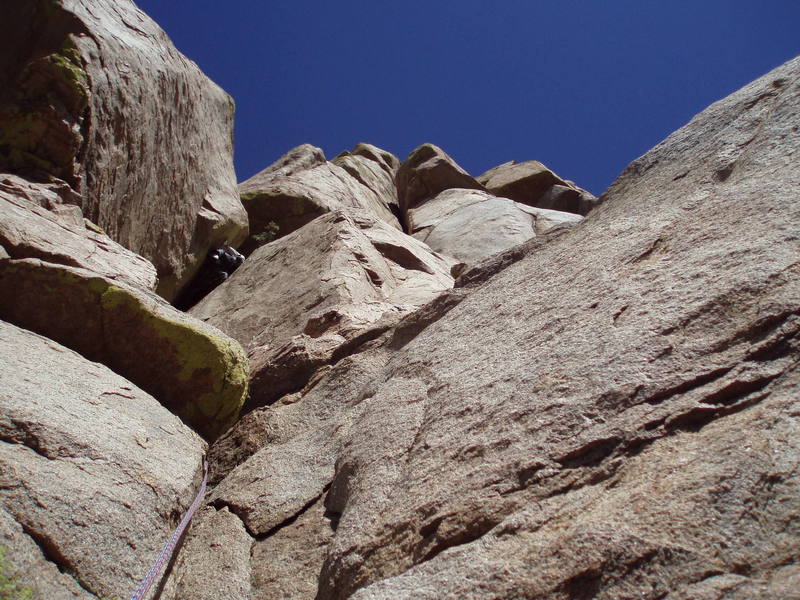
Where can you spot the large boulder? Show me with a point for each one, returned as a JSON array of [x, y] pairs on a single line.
[[427, 171], [302, 185], [94, 471], [189, 366], [94, 93], [534, 184], [612, 413], [470, 225], [301, 301], [59, 234]]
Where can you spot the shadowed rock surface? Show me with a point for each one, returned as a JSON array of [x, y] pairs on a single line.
[[534, 184], [427, 171], [311, 297], [94, 93], [93, 471], [190, 367], [493, 224], [609, 410], [301, 185]]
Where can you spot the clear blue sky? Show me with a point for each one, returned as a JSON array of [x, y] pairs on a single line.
[[584, 86]]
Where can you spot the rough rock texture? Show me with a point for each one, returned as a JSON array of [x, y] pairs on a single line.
[[534, 184], [427, 171], [306, 299], [608, 411], [217, 551], [58, 234], [301, 185], [94, 473], [94, 93], [190, 367], [470, 225]]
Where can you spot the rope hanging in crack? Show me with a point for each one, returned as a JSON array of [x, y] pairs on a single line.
[[169, 547]]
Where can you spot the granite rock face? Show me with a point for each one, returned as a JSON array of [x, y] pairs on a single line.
[[34, 223], [302, 185], [427, 171], [609, 410], [190, 367], [471, 225], [534, 184], [306, 299], [99, 97], [94, 471]]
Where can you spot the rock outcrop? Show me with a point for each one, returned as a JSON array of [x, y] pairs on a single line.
[[190, 367], [493, 224], [309, 298], [376, 169], [607, 410], [302, 185], [427, 171], [93, 471], [95, 94], [36, 224], [599, 407], [534, 184]]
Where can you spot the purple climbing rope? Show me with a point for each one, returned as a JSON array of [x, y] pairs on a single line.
[[169, 547]]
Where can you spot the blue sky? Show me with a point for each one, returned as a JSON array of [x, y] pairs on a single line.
[[583, 86]]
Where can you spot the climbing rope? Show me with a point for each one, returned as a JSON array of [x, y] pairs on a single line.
[[169, 547]]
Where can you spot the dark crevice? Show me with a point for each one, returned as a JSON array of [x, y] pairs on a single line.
[[477, 529], [52, 555], [220, 504], [686, 386], [591, 454]]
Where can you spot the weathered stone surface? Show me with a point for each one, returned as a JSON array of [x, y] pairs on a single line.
[[470, 225], [301, 549], [216, 553], [27, 563], [300, 186], [93, 471], [427, 171], [376, 169], [59, 235], [611, 413], [94, 93], [300, 302], [190, 367], [534, 184]]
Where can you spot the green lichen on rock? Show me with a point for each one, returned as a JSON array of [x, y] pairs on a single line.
[[191, 368], [10, 588], [40, 120], [208, 373]]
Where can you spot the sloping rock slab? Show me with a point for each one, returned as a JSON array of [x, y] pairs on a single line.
[[427, 171], [470, 225], [29, 231], [190, 367], [301, 185], [306, 299], [94, 473], [534, 184], [619, 416], [99, 96]]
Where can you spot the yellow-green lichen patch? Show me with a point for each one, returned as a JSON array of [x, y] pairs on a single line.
[[206, 374], [192, 369]]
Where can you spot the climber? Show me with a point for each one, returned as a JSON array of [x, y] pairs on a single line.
[[217, 267]]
